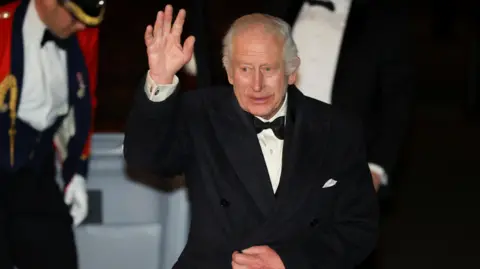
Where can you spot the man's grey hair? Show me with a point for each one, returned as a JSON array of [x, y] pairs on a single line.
[[270, 24]]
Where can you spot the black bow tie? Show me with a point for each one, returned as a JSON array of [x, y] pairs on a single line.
[[324, 3], [48, 36], [277, 126]]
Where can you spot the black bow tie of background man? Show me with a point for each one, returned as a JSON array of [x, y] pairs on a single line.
[[48, 36], [324, 3], [277, 126]]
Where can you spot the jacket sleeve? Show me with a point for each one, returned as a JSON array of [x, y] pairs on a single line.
[[156, 137], [88, 41], [396, 87], [72, 136]]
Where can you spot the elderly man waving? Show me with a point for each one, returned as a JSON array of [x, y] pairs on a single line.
[[276, 179]]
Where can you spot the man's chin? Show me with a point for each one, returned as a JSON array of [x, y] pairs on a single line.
[[63, 34], [261, 112]]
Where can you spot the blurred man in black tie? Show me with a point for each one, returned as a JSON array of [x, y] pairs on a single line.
[[363, 43]]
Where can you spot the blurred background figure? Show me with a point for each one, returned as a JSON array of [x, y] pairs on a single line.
[[473, 98], [357, 55], [47, 83]]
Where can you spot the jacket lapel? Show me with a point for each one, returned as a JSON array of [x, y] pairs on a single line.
[[17, 54], [237, 136], [305, 137]]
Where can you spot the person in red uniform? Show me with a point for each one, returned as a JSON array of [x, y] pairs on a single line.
[[48, 65]]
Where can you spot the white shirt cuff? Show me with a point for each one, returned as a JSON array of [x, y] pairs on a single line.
[[377, 169], [158, 93]]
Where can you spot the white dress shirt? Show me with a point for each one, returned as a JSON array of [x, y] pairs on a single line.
[[45, 82], [45, 89], [272, 147], [318, 33]]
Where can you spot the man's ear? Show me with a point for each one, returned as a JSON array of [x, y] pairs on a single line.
[[228, 69], [292, 78]]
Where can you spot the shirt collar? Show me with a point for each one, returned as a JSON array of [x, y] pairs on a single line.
[[342, 6], [33, 27]]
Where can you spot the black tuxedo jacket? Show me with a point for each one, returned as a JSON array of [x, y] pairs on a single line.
[[205, 135], [374, 74]]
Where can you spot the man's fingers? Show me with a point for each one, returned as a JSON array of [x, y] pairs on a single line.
[[82, 202], [78, 210], [178, 24], [148, 35], [244, 259], [255, 250], [77, 221], [158, 28], [74, 212], [77, 215], [238, 266], [167, 21], [188, 48]]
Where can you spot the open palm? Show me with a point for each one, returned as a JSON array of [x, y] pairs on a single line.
[[165, 53]]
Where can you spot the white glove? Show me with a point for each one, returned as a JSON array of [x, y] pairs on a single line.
[[191, 67], [76, 197]]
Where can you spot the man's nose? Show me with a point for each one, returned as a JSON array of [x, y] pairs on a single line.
[[258, 81]]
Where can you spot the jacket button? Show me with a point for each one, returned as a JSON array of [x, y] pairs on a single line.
[[4, 15], [224, 202], [314, 222]]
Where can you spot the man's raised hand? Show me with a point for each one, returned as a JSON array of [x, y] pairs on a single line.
[[165, 52]]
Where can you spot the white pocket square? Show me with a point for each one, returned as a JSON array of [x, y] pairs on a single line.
[[331, 182]]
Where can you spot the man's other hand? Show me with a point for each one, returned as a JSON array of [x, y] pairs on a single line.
[[257, 257]]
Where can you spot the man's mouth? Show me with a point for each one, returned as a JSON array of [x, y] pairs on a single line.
[[260, 100]]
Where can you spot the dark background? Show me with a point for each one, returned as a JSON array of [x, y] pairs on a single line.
[[433, 219]]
